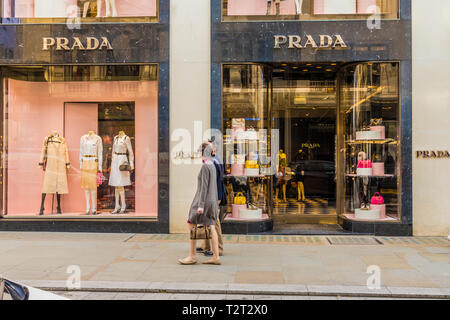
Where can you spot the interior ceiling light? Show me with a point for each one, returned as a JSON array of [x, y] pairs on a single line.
[[333, 64], [305, 70], [309, 64], [329, 70], [319, 67]]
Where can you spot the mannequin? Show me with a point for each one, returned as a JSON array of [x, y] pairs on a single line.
[[122, 154], [91, 154], [54, 161], [277, 5], [298, 6], [110, 5], [282, 158]]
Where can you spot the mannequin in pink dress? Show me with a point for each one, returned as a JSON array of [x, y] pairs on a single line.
[[110, 6]]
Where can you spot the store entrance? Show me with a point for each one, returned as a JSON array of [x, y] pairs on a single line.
[[304, 111]]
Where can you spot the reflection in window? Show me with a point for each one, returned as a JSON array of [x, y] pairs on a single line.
[[307, 9], [36, 11]]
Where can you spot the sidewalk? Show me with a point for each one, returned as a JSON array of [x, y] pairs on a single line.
[[252, 265]]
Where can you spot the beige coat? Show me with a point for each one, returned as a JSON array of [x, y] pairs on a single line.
[[56, 158]]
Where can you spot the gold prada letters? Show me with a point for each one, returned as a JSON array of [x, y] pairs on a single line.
[[62, 43], [432, 154], [297, 42]]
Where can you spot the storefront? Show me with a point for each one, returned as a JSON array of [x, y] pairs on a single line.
[[85, 116], [314, 101]]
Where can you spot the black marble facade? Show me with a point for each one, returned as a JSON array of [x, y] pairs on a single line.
[[253, 42], [133, 43]]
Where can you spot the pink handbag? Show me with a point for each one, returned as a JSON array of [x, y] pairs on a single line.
[[378, 169], [364, 164], [100, 178], [377, 199]]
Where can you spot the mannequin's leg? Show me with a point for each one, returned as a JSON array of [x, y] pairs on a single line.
[[284, 192], [87, 194], [278, 8], [99, 8], [113, 7], [41, 212], [108, 8], [94, 201], [302, 190], [58, 199], [117, 198], [298, 6], [269, 5], [85, 9], [122, 200]]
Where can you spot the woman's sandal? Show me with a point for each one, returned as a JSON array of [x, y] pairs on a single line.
[[213, 261], [187, 261]]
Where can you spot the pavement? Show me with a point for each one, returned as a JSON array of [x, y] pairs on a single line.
[[144, 266]]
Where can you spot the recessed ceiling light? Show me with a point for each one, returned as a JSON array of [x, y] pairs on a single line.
[[305, 70], [333, 64], [318, 67], [309, 64], [329, 70]]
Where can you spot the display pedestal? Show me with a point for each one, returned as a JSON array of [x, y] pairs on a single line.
[[237, 208], [251, 172], [381, 207], [364, 171], [372, 214], [250, 214]]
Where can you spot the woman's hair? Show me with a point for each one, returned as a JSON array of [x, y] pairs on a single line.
[[206, 149]]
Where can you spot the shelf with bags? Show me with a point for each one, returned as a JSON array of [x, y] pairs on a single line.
[[372, 141]]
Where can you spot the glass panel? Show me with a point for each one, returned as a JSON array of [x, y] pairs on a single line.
[[243, 10], [247, 150], [369, 113], [74, 11], [94, 118]]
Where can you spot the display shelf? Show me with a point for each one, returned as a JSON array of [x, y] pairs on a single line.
[[371, 176]]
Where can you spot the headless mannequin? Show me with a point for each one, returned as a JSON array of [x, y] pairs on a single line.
[[298, 6], [110, 5], [91, 193], [119, 192], [58, 196], [277, 5]]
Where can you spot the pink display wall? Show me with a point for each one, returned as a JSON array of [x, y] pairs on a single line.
[[287, 7], [35, 109], [79, 119], [62, 8], [258, 7]]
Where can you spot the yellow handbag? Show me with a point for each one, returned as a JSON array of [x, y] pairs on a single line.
[[240, 199], [251, 164]]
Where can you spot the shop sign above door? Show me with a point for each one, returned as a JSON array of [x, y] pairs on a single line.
[[75, 43], [320, 42]]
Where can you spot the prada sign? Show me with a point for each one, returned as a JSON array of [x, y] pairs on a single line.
[[321, 42], [432, 154], [75, 43]]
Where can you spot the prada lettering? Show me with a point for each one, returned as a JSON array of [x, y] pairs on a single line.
[[298, 42], [432, 154], [61, 43]]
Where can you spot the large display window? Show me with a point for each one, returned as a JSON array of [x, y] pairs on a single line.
[[370, 140], [242, 10], [73, 11], [80, 140]]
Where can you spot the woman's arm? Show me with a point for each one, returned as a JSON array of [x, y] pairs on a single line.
[[203, 187]]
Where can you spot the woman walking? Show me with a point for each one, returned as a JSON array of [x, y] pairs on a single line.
[[204, 207]]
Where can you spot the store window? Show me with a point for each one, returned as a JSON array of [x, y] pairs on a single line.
[[247, 153], [73, 11], [80, 140], [260, 10], [369, 116]]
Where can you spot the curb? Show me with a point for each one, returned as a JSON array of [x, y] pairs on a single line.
[[245, 289]]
